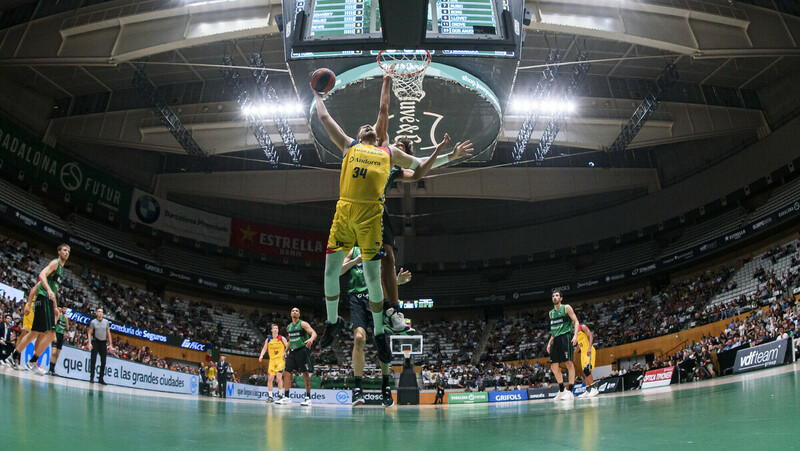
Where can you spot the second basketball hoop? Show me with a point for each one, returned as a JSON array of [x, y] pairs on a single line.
[[407, 69]]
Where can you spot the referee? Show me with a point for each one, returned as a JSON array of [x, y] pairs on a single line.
[[99, 341]]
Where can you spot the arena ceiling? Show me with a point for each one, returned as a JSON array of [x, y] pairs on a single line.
[[83, 60]]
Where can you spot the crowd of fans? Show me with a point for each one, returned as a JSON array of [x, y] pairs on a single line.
[[450, 345]]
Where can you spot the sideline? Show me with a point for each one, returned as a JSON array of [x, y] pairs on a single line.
[[83, 385]]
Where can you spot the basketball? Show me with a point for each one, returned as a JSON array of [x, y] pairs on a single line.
[[323, 80]]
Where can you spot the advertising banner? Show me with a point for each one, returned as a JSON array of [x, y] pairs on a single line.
[[44, 359], [468, 398], [506, 396], [579, 389], [180, 220], [761, 356], [373, 398], [142, 333], [318, 396], [11, 293], [658, 378], [75, 363], [270, 240], [59, 170], [542, 393], [609, 385]]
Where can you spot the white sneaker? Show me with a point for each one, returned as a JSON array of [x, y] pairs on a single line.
[[559, 396], [306, 401], [396, 321], [592, 393], [568, 396], [284, 400], [270, 400], [30, 366], [39, 371], [10, 361]]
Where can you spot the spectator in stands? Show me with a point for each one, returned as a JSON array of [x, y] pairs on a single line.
[[6, 344]]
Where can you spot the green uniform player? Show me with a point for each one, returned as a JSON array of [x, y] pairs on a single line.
[[45, 307], [301, 337], [563, 337], [362, 321]]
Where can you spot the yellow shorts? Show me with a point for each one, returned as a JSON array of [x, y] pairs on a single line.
[[27, 320], [276, 365], [357, 223], [585, 360]]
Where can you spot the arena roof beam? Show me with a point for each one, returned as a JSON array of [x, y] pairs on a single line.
[[645, 109], [251, 113], [542, 89], [577, 78], [268, 95], [167, 116]]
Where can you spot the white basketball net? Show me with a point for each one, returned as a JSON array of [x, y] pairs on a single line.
[[407, 70]]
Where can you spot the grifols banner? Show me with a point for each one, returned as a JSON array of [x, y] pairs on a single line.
[[761, 356], [271, 240]]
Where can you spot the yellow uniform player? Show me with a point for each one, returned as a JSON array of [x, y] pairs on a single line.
[[277, 346], [586, 355]]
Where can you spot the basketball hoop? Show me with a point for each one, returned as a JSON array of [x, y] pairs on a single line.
[[407, 71], [407, 353]]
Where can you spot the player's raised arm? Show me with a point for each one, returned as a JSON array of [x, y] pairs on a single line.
[[335, 132], [349, 262], [462, 148], [382, 124]]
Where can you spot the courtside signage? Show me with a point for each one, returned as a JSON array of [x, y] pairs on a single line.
[[507, 396], [75, 363], [468, 398], [761, 356], [246, 391], [658, 378], [610, 385], [542, 393]]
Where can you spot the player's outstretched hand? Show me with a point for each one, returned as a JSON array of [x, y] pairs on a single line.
[[316, 94], [444, 143], [463, 149], [404, 276]]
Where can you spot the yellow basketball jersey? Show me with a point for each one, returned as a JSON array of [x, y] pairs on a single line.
[[365, 169], [275, 347], [583, 341]]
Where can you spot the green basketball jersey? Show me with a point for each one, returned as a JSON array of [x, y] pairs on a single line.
[[393, 174], [560, 322], [297, 335], [54, 280], [61, 325], [357, 283]]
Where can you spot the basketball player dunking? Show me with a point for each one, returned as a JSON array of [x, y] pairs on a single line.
[[358, 217]]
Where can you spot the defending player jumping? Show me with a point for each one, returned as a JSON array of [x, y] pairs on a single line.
[[394, 319], [277, 346], [563, 325], [362, 320], [358, 217], [585, 355]]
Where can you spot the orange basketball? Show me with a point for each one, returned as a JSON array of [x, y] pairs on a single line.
[[323, 80]]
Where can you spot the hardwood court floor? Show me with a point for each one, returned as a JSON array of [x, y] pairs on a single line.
[[755, 410]]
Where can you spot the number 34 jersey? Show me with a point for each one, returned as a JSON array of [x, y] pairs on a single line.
[[365, 169]]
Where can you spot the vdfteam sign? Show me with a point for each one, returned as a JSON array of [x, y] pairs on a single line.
[[761, 356], [658, 378]]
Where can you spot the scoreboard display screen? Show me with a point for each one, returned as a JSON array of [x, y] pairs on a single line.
[[418, 303], [361, 18]]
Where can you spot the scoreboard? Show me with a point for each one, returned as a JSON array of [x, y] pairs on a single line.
[[332, 19]]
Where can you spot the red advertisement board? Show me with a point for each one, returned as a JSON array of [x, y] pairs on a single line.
[[271, 240], [658, 378]]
